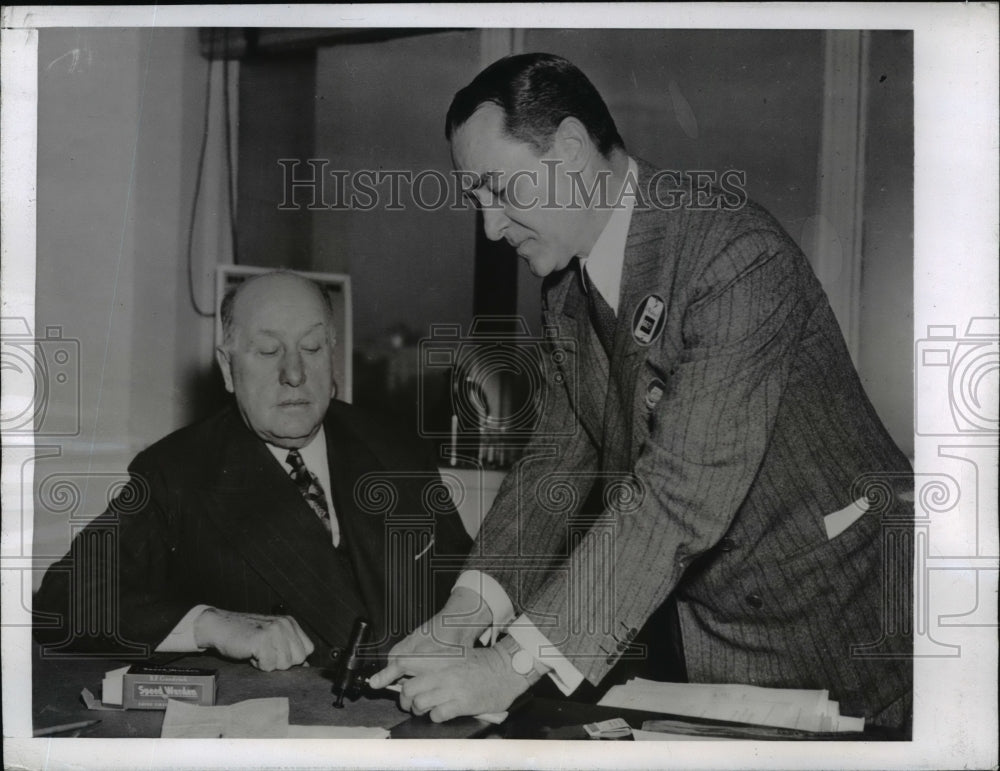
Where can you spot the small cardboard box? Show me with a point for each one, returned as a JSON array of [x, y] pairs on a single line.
[[146, 687]]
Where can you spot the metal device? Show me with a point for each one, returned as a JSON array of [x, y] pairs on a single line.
[[352, 669]]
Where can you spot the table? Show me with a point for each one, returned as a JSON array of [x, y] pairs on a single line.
[[57, 683]]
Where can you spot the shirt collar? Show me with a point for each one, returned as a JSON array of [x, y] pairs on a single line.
[[313, 455], [606, 260]]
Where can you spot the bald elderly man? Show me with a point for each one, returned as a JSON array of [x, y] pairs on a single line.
[[263, 532]]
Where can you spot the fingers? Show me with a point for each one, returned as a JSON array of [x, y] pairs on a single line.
[[392, 672], [420, 694], [446, 711], [303, 638], [280, 644], [428, 695], [417, 652]]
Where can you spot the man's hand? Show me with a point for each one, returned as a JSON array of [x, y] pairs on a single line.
[[483, 682], [443, 641], [269, 642]]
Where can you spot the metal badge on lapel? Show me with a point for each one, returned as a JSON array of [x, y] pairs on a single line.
[[647, 323], [654, 392]]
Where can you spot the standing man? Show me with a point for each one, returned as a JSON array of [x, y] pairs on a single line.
[[716, 419], [264, 531]]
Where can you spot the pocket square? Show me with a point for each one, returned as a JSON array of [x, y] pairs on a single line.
[[839, 521]]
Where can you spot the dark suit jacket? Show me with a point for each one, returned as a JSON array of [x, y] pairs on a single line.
[[210, 517], [715, 451]]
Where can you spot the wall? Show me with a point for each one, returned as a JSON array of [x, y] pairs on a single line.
[[886, 353], [712, 100], [119, 123], [381, 106]]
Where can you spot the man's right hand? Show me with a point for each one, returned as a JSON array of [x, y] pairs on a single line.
[[441, 642], [269, 642]]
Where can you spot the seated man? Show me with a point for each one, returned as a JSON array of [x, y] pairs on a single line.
[[264, 531]]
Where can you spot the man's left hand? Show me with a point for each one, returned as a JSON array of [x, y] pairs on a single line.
[[483, 682]]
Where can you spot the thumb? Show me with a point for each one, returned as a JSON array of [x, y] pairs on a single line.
[[386, 676]]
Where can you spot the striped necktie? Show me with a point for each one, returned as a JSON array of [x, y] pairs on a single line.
[[312, 491]]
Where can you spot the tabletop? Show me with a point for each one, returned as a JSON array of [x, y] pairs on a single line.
[[57, 684]]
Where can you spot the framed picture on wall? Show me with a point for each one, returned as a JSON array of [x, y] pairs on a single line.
[[337, 287]]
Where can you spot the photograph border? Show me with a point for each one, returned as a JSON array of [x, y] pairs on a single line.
[[955, 271]]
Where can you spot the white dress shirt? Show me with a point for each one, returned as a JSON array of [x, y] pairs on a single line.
[[604, 265], [181, 637]]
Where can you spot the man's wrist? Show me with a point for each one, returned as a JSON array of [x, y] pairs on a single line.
[[519, 659], [465, 615], [204, 628]]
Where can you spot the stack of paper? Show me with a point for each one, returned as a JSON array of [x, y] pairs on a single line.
[[780, 707]]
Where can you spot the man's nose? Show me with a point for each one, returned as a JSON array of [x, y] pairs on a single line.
[[292, 372], [495, 222]]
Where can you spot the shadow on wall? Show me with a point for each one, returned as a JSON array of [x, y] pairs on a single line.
[[202, 393]]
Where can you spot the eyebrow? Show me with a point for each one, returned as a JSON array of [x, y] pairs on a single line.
[[278, 333]]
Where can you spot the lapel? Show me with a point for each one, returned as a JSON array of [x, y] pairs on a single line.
[[258, 506], [363, 534], [566, 311], [624, 426]]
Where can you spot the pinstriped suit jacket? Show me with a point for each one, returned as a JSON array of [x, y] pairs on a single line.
[[714, 452], [210, 517]]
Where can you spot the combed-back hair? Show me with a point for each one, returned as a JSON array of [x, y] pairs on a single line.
[[536, 93]]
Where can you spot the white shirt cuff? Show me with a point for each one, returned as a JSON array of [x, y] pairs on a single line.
[[566, 676], [181, 638], [494, 596]]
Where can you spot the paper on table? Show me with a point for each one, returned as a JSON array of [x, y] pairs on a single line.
[[111, 686], [847, 723], [93, 702], [807, 710], [251, 719], [655, 736]]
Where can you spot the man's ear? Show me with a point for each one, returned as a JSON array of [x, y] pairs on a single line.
[[222, 356], [573, 144]]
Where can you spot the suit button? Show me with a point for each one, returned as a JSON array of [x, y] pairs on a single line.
[[755, 601], [727, 544], [632, 633], [611, 659]]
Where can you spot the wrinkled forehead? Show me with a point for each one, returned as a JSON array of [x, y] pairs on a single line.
[[280, 305]]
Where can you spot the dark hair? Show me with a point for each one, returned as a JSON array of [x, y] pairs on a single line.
[[229, 301], [536, 92]]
